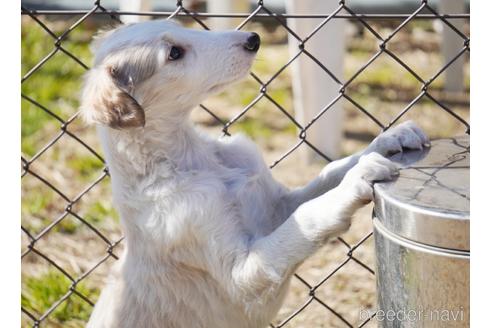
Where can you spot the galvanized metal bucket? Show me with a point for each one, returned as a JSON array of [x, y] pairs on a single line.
[[422, 237]]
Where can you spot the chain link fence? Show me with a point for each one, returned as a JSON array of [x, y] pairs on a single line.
[[72, 295]]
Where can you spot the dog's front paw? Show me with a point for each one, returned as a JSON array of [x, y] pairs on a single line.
[[406, 135], [371, 168]]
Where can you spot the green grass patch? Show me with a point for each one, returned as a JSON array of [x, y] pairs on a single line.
[[41, 292], [101, 211], [85, 166], [55, 85], [254, 128]]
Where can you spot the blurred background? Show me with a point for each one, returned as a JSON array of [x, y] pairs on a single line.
[[70, 229]]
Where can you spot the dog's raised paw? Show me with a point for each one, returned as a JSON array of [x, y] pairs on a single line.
[[370, 169], [404, 136]]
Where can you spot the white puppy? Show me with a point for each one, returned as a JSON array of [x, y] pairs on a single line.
[[211, 238]]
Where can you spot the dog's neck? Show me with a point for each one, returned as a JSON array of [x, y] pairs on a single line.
[[176, 145]]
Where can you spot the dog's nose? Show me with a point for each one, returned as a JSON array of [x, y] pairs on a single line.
[[253, 42]]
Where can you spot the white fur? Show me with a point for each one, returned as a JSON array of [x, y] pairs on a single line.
[[211, 238]]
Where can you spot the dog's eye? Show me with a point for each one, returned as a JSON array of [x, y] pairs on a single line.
[[176, 53]]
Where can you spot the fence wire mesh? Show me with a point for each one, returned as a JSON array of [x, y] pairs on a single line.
[[70, 204]]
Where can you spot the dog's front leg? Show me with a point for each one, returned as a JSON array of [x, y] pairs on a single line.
[[272, 258], [405, 135]]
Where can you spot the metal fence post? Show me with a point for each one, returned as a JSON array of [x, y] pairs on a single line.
[[134, 5], [313, 88], [451, 43]]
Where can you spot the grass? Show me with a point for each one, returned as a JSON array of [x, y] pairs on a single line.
[[85, 165], [102, 210], [41, 292], [55, 85]]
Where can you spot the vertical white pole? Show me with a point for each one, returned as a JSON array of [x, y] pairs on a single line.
[[226, 7], [451, 43], [134, 5], [313, 88]]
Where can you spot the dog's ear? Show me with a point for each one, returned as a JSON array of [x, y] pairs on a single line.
[[107, 98]]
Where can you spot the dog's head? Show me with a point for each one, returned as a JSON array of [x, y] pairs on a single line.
[[160, 64]]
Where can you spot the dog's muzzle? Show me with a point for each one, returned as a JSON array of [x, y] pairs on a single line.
[[252, 43]]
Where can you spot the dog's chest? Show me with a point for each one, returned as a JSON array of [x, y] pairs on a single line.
[[254, 197]]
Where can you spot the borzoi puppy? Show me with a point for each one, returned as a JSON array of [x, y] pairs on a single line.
[[211, 238]]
